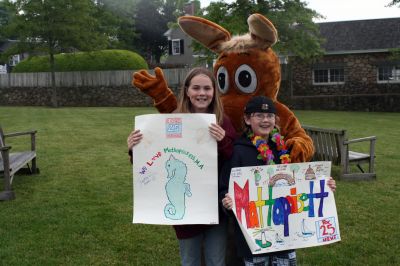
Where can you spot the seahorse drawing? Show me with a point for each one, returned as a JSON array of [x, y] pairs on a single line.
[[176, 189]]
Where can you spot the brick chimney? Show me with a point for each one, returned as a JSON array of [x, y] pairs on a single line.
[[189, 9]]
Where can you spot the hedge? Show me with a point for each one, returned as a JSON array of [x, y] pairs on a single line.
[[84, 61]]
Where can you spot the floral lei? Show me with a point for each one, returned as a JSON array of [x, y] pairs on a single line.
[[266, 153]]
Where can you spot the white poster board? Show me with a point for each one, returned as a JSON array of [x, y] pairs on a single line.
[[286, 206], [175, 170]]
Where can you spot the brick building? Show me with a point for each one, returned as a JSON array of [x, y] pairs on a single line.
[[359, 70]]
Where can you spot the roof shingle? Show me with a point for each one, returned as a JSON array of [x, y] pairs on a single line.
[[358, 35]]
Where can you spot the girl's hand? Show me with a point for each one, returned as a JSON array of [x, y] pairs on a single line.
[[331, 184], [227, 202], [134, 138], [216, 131]]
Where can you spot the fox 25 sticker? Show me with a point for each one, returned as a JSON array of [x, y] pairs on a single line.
[[326, 230], [173, 127]]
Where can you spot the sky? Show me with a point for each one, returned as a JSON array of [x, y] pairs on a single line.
[[341, 10]]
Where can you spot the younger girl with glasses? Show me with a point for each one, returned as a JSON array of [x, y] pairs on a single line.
[[260, 144]]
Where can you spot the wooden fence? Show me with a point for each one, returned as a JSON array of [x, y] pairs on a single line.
[[174, 78]]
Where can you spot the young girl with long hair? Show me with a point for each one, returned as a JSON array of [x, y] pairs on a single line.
[[199, 94]]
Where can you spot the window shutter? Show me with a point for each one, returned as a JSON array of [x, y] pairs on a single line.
[[170, 47], [181, 46]]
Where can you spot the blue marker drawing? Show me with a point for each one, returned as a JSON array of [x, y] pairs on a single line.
[[176, 189]]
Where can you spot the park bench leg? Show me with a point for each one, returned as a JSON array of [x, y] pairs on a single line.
[[7, 193], [29, 169], [359, 167], [344, 163], [372, 158], [34, 169], [371, 165]]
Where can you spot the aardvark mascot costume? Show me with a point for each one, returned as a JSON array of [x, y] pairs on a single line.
[[246, 66]]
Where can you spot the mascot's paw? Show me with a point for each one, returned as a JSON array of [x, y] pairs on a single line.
[[156, 87], [149, 84], [301, 150]]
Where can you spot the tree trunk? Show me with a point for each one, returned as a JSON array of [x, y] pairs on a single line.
[[54, 95]]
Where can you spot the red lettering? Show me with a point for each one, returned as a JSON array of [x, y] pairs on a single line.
[[327, 227], [253, 216], [329, 238], [293, 200], [242, 201]]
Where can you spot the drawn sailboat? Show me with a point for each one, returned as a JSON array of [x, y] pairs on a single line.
[[305, 231], [278, 239]]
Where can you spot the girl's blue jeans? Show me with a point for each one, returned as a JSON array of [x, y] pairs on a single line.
[[213, 242]]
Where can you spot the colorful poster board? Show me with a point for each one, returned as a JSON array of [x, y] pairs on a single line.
[[175, 170], [286, 206]]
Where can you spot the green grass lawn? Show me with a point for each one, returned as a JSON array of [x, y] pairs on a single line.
[[78, 210]]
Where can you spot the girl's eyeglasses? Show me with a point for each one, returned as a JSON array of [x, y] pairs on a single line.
[[262, 116]]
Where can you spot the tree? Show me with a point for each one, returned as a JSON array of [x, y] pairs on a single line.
[[118, 18], [171, 10], [53, 26], [152, 19], [294, 168], [151, 26], [394, 2], [3, 21], [6, 14], [298, 34], [270, 171], [395, 53], [3, 17]]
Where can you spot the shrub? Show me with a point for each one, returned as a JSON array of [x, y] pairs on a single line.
[[84, 61]]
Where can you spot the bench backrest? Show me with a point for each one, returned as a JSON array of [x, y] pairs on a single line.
[[328, 143], [1, 140]]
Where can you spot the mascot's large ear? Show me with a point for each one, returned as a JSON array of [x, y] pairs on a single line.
[[260, 27], [204, 31]]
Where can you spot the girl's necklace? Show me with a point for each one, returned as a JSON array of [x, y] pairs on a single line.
[[265, 153]]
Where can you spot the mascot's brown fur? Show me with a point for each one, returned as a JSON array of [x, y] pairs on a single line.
[[246, 66]]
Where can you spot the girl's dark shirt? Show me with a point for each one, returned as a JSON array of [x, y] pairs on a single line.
[[244, 154], [225, 149]]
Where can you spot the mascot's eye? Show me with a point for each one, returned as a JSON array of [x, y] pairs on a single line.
[[223, 79], [246, 79]]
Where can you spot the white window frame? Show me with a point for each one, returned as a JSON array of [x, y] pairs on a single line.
[[14, 60], [176, 47], [393, 78], [329, 82]]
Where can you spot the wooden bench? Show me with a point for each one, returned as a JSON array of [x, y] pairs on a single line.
[[10, 163], [333, 145]]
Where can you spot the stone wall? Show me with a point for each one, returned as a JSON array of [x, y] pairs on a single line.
[[79, 88], [367, 103], [360, 91], [75, 96]]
